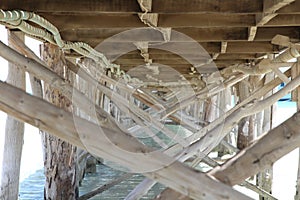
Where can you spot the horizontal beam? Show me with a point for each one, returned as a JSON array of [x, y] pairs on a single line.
[[115, 50], [132, 20], [119, 6], [158, 6], [197, 34], [129, 20], [137, 62], [174, 57]]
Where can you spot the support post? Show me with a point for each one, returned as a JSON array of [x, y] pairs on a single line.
[[14, 135], [59, 156], [297, 92]]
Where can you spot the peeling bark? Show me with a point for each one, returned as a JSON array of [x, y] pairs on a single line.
[[59, 156]]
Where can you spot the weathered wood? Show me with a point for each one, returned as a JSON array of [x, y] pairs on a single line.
[[256, 95], [223, 47], [160, 6], [204, 93], [59, 156], [216, 134], [244, 133], [42, 72], [14, 135], [20, 46], [44, 116], [171, 194], [269, 9], [262, 154], [297, 195], [264, 178], [213, 34], [229, 122]]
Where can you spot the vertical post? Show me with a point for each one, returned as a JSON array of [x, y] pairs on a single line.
[[297, 66], [59, 156], [245, 125], [264, 179], [14, 135]]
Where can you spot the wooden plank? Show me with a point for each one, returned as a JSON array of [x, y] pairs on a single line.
[[173, 6], [70, 6], [179, 62], [198, 34], [113, 20], [114, 50], [158, 6], [285, 20], [193, 57], [267, 33]]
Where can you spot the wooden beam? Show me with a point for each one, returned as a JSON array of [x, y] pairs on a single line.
[[216, 34], [262, 154], [252, 33], [158, 6], [269, 9], [150, 19], [130, 20], [44, 115], [271, 6], [281, 75], [145, 5], [223, 47], [114, 50], [119, 6]]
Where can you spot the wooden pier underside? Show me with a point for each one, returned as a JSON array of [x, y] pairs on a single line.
[[207, 66]]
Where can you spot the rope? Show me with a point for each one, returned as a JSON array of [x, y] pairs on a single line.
[[49, 33]]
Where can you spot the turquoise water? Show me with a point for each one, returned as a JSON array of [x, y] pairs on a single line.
[[32, 188]]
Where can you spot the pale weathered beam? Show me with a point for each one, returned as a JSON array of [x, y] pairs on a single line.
[[223, 47], [40, 71], [262, 154], [145, 5], [176, 175]]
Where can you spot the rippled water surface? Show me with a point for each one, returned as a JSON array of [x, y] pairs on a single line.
[[32, 187]]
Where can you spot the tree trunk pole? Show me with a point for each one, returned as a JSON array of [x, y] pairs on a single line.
[[59, 156], [264, 179], [14, 135], [297, 92]]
